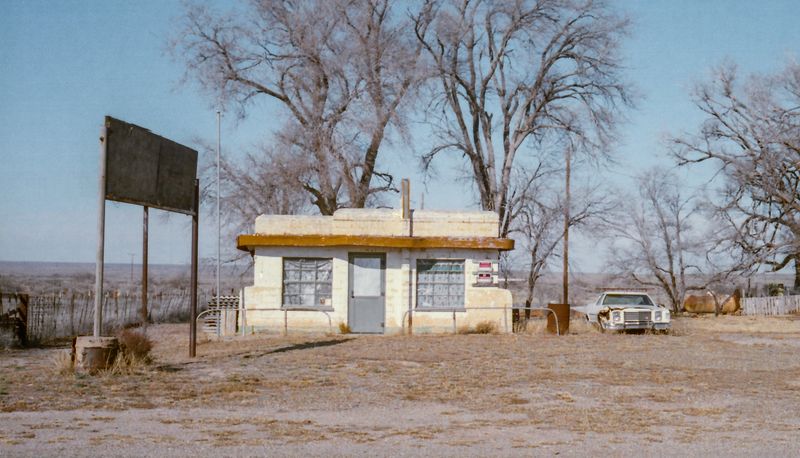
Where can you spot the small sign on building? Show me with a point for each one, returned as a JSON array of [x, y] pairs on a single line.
[[486, 273]]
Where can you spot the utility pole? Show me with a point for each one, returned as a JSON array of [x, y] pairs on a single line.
[[565, 279], [219, 222]]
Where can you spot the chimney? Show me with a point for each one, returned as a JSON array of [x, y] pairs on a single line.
[[405, 198]]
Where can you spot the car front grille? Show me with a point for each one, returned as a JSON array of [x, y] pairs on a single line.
[[638, 316]]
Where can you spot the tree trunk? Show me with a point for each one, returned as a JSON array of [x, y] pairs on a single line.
[[796, 273]]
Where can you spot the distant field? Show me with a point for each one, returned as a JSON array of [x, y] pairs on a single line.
[[61, 295], [45, 277], [727, 386]]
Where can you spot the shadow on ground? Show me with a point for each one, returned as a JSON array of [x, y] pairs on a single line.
[[301, 346]]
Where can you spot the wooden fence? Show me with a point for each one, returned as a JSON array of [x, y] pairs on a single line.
[[57, 316], [772, 305]]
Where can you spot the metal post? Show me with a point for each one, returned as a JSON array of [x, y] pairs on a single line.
[[565, 297], [145, 218], [101, 231], [243, 311], [193, 306], [219, 223], [410, 297]]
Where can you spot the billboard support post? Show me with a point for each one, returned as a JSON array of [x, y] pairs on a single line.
[[97, 329], [145, 218], [141, 168], [193, 306]]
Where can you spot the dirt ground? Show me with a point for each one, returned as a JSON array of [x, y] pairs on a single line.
[[719, 386]]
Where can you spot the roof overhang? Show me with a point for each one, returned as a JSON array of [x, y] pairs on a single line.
[[249, 242]]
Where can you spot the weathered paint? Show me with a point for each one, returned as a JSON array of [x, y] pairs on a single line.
[[247, 242], [354, 232]]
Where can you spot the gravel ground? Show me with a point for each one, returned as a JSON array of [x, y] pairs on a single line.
[[726, 386]]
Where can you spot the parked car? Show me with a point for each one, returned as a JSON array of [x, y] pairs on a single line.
[[626, 310]]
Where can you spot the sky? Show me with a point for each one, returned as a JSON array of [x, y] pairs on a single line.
[[65, 65]]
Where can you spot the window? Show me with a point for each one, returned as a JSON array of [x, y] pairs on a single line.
[[440, 283], [307, 282], [627, 299]]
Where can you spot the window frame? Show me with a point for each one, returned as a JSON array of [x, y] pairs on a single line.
[[317, 305], [419, 307]]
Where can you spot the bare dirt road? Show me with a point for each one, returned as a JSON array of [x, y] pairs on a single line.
[[726, 386]]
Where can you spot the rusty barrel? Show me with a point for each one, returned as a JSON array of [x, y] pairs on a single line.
[[562, 312]]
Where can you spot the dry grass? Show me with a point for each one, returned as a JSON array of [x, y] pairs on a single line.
[[127, 364], [62, 363], [581, 326], [135, 345], [694, 382], [486, 327], [481, 327], [344, 328], [577, 325], [736, 324]]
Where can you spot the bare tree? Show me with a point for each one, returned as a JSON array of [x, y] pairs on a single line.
[[540, 225], [340, 69], [656, 242], [751, 134], [512, 78], [256, 184]]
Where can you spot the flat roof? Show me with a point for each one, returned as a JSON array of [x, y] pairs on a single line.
[[248, 242]]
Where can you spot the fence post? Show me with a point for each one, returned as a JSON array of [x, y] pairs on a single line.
[[244, 311]]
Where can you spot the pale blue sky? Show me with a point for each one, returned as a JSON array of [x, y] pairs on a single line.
[[64, 65]]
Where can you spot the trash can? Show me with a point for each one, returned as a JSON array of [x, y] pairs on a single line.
[[562, 312]]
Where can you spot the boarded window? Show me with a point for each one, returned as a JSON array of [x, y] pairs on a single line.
[[307, 282], [440, 283]]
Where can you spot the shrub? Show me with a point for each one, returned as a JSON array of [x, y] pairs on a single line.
[[486, 327], [464, 329], [63, 363], [344, 328], [135, 345]]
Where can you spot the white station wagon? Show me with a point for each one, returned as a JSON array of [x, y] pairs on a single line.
[[626, 310]]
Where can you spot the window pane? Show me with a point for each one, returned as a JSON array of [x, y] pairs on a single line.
[[292, 289], [324, 276], [425, 290], [440, 283], [307, 282], [323, 290], [366, 276], [307, 288], [308, 275]]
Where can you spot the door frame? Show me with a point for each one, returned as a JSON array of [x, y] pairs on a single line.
[[351, 278]]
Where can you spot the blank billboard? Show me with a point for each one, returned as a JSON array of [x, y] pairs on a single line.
[[146, 169]]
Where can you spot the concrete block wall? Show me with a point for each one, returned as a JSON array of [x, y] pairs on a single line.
[[400, 291], [382, 222]]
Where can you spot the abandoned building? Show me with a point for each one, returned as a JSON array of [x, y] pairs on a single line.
[[374, 271]]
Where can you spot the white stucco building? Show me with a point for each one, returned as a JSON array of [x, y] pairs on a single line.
[[367, 268]]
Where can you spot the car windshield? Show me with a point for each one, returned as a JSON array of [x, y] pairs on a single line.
[[627, 299]]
